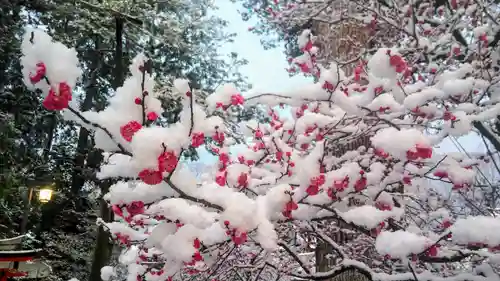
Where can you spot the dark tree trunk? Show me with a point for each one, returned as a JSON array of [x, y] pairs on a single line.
[[323, 264], [78, 177], [103, 250], [52, 124], [103, 247]]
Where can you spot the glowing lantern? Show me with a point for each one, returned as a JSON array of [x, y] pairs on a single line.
[[45, 194]]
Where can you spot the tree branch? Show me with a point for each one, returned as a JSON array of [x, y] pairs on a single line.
[[86, 121], [191, 198]]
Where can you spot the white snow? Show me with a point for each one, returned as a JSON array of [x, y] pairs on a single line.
[[478, 229], [369, 216], [401, 244]]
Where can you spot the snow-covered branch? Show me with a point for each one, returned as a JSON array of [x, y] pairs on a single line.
[[350, 155]]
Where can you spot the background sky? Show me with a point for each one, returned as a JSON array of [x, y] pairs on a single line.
[[266, 68], [266, 71]]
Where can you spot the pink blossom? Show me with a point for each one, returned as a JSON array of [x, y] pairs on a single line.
[[151, 177], [39, 74], [58, 100], [128, 130], [167, 161], [197, 139]]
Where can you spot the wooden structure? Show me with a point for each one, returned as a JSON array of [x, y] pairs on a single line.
[[340, 39], [351, 274], [16, 263]]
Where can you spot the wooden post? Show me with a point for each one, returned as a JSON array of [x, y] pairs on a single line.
[[27, 204]]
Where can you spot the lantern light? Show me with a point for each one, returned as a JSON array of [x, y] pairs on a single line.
[[45, 194]]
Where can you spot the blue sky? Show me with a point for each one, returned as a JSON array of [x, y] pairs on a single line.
[[266, 68]]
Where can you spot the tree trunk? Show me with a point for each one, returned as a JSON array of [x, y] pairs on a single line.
[[78, 177], [321, 252], [50, 137], [103, 249]]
